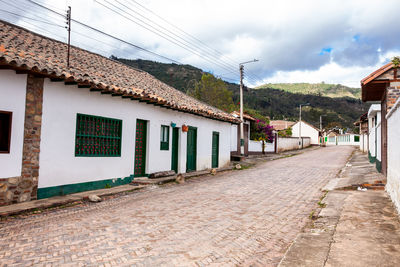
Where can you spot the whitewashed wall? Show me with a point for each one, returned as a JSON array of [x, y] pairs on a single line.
[[58, 164], [306, 131], [364, 142], [291, 143], [256, 147], [343, 140], [234, 137], [371, 142], [379, 142], [374, 141], [12, 99], [393, 154]]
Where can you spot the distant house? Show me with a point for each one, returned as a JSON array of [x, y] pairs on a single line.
[[94, 124], [307, 130], [348, 139], [383, 85], [280, 125], [362, 124]]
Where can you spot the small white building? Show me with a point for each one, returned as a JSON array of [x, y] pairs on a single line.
[[95, 124], [343, 140], [374, 139], [307, 130]]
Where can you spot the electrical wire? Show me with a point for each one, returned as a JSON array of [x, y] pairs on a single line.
[[107, 34], [200, 43], [162, 34], [36, 4]]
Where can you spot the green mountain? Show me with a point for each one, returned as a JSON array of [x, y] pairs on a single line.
[[320, 89], [271, 102]]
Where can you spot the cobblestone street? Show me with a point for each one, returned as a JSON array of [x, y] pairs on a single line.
[[244, 218]]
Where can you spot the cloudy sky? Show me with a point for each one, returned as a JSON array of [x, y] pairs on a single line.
[[294, 41]]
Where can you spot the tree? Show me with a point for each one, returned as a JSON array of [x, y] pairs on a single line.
[[213, 91], [264, 132]]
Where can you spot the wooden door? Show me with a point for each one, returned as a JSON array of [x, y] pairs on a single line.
[[215, 150], [191, 149], [175, 145], [140, 148]]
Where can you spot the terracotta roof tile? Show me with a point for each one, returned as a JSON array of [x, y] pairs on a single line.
[[281, 124], [236, 114], [376, 73], [23, 49]]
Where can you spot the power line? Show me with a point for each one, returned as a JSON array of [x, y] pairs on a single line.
[[101, 32], [162, 34], [254, 77], [21, 16], [107, 34], [203, 50]]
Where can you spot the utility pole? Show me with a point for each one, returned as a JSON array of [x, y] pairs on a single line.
[[321, 143], [241, 68], [320, 123], [241, 111], [300, 140], [69, 33]]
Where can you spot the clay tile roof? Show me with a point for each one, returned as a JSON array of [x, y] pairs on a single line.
[[236, 114], [22, 49], [376, 73], [281, 124]]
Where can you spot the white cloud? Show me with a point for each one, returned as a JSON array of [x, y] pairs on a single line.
[[286, 36]]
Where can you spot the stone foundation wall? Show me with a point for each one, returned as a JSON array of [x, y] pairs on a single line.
[[24, 187]]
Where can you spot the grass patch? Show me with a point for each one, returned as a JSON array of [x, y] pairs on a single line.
[[311, 216]]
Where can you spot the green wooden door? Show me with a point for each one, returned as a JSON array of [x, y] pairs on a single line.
[[140, 148], [215, 150], [175, 142], [191, 149]]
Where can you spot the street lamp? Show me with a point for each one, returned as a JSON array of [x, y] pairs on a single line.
[[241, 105], [300, 140]]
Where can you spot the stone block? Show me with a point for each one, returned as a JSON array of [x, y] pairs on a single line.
[[25, 197], [9, 196], [13, 180], [3, 187], [25, 184]]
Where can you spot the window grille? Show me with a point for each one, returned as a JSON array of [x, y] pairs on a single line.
[[97, 136], [164, 138]]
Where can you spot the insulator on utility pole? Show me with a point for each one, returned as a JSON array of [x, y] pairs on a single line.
[[69, 33]]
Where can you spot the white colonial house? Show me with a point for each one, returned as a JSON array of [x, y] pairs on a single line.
[[307, 130], [94, 124], [374, 139], [383, 85]]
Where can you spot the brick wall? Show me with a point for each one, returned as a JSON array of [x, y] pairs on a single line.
[[393, 92], [24, 188]]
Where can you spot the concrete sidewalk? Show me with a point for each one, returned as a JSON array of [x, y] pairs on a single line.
[[356, 225]]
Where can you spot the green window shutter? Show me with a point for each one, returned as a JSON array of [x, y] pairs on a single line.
[[97, 136], [164, 137]]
